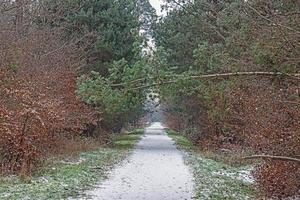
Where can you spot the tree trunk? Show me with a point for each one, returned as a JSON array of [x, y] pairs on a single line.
[[19, 15]]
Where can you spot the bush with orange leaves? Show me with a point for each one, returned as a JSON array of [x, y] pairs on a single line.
[[278, 179], [268, 116], [38, 104], [258, 115]]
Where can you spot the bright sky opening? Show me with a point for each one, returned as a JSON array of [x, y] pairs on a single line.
[[157, 5]]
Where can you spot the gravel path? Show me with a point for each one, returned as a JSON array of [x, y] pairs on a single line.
[[154, 171]]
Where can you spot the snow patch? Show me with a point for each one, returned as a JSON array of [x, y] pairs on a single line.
[[243, 175], [76, 162]]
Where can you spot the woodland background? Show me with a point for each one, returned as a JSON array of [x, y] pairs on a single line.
[[255, 113], [73, 72]]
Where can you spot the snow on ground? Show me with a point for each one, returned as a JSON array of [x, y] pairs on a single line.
[[242, 175], [73, 162]]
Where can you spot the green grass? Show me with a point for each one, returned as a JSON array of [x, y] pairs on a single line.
[[61, 180], [215, 179], [181, 141], [126, 141]]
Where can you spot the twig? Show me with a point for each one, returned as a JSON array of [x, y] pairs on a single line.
[[66, 44], [130, 82], [291, 102]]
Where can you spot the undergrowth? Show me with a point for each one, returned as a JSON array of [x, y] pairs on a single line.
[[215, 179], [62, 179]]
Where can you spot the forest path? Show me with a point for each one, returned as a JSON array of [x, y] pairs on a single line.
[[154, 171]]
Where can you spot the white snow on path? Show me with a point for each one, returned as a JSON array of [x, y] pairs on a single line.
[[154, 171]]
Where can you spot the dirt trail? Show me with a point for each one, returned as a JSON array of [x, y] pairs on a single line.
[[154, 171]]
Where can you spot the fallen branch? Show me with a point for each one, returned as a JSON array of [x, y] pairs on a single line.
[[284, 158]]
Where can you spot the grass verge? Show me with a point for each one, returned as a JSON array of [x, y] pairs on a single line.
[[61, 180], [215, 179]]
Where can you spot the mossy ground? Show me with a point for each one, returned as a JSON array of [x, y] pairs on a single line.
[[61, 180], [214, 179]]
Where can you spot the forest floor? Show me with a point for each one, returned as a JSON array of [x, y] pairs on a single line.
[[62, 179]]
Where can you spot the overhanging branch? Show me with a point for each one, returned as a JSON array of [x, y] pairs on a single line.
[[243, 74], [205, 76]]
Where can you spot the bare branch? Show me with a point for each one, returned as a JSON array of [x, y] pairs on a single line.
[[271, 21], [66, 44], [283, 158]]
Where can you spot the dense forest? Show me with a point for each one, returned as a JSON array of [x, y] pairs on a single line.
[[251, 102], [226, 73], [58, 61]]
